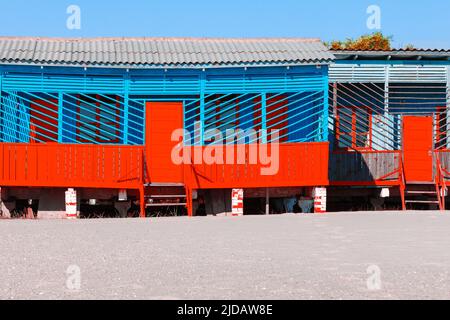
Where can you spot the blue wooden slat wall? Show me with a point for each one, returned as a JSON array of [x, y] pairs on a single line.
[[134, 87]]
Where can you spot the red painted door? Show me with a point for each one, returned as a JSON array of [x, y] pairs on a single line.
[[418, 148], [162, 119]]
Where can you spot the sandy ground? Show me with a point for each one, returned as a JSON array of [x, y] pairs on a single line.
[[276, 257]]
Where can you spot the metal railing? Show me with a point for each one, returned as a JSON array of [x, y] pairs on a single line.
[[441, 184]]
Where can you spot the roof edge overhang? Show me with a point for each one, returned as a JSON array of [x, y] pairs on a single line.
[[393, 55], [171, 66]]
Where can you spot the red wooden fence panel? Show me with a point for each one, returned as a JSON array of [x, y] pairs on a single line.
[[101, 166], [65, 165], [300, 164]]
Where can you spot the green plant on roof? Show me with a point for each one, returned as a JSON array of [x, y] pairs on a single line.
[[372, 42]]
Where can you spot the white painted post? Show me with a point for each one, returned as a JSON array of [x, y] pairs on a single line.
[[71, 204], [320, 200], [267, 202], [237, 202]]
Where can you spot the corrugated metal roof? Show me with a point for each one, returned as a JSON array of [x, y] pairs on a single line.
[[395, 54], [162, 52]]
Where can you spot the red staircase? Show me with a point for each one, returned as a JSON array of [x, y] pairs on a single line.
[[424, 195]]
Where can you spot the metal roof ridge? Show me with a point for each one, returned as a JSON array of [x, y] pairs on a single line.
[[225, 39], [392, 50]]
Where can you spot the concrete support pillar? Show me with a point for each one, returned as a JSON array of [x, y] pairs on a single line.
[[71, 203], [5, 211], [320, 200], [5, 208], [29, 211], [237, 202], [122, 207], [52, 204]]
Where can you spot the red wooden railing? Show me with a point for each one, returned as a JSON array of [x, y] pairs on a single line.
[[299, 164], [69, 165], [402, 182], [441, 184]]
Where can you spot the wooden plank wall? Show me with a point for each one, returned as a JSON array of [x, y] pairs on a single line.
[[365, 167]]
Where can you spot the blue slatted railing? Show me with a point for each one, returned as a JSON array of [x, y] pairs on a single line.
[[297, 116]]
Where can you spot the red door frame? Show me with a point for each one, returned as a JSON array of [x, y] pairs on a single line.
[[417, 132]]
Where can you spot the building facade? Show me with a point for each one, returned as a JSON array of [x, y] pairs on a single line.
[[99, 116], [157, 126], [389, 117]]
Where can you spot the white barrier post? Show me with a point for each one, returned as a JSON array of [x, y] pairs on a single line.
[[71, 203], [237, 202], [320, 200]]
